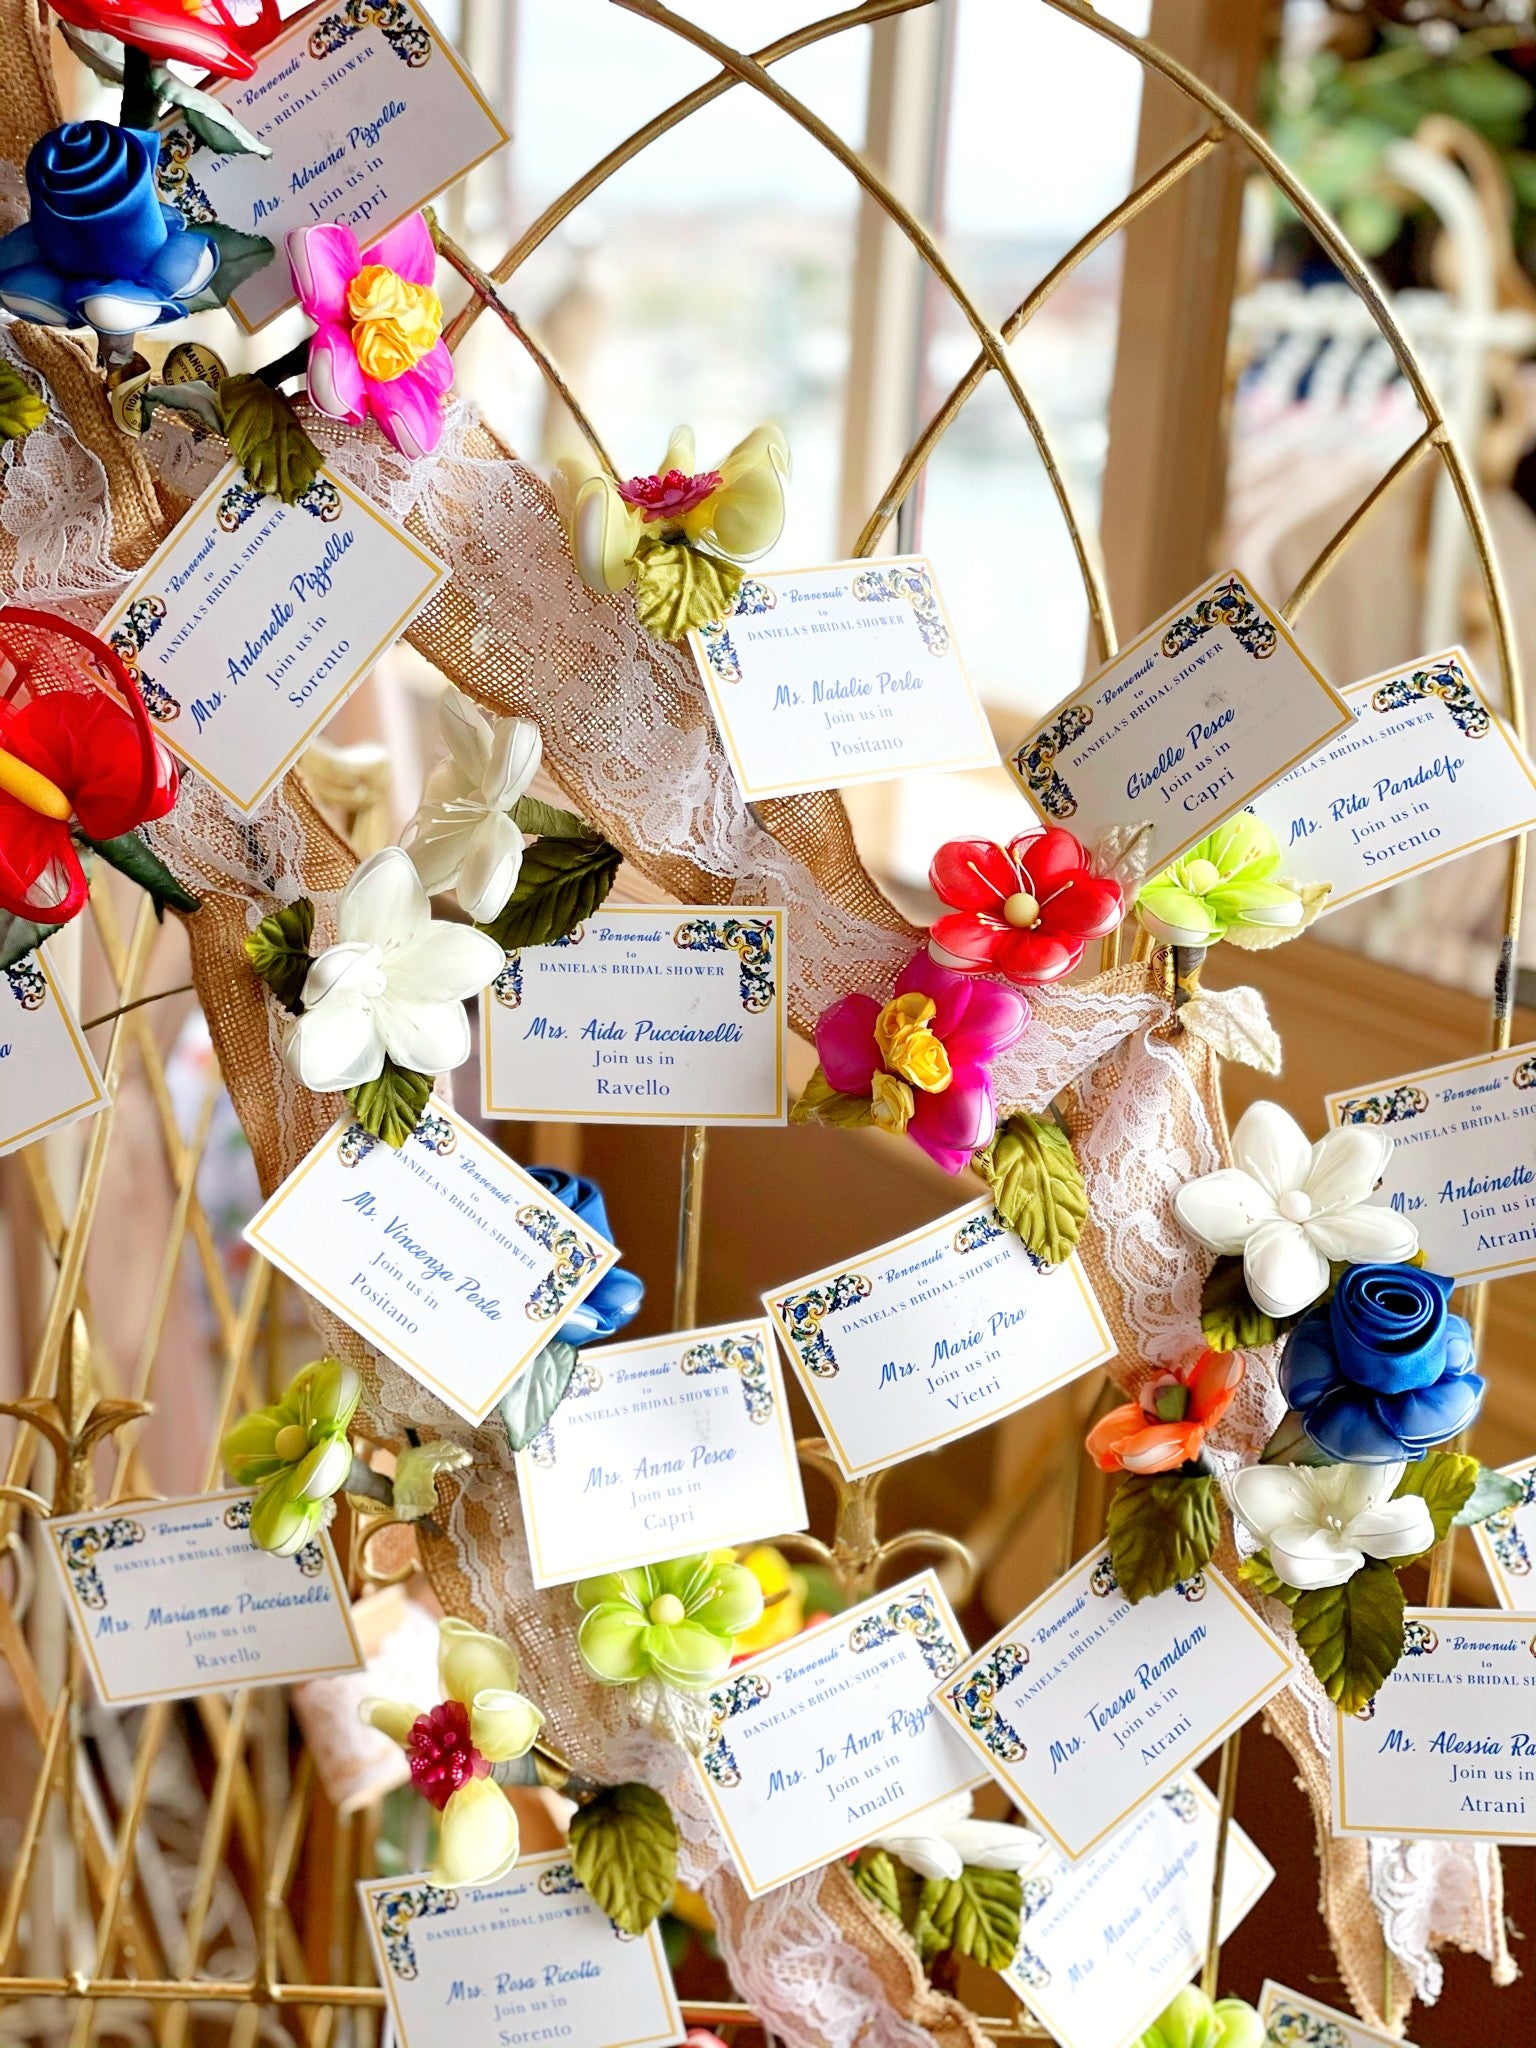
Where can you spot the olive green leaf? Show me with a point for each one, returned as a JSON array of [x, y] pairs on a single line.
[[540, 820], [241, 255], [130, 853], [267, 439], [20, 407], [1446, 1481], [1161, 1529], [1352, 1634], [198, 399], [560, 882], [677, 586], [1494, 1494], [209, 119], [390, 1107], [1036, 1185], [1258, 1572], [19, 937], [278, 949], [624, 1852], [1229, 1316], [890, 1883], [536, 1393], [976, 1914], [821, 1103]]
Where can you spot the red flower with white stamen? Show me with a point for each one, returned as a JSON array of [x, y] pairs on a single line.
[[1025, 910]]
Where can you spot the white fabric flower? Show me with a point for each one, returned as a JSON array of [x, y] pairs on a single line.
[[1320, 1523], [948, 1839], [395, 983], [463, 836], [1290, 1207]]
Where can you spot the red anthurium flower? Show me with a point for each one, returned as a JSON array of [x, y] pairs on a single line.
[[77, 751], [1024, 910], [202, 32]]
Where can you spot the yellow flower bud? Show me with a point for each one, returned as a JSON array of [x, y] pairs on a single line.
[[396, 323], [908, 1046], [893, 1103]]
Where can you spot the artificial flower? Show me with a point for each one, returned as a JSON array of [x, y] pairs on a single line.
[[946, 1841], [296, 1454], [1320, 1523], [201, 32], [1167, 1424], [1025, 910], [1193, 2020], [79, 760], [98, 248], [377, 349], [736, 509], [924, 1057], [1229, 879], [393, 986], [463, 836], [677, 1622], [783, 1592], [1290, 1206], [1384, 1370], [616, 1298], [452, 1749]]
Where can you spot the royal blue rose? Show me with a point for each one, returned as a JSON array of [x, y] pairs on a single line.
[[99, 249], [616, 1298], [1384, 1371]]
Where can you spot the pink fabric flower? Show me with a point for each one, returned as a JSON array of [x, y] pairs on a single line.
[[376, 351], [953, 1109]]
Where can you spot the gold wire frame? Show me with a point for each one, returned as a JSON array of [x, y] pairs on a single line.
[[258, 1813]]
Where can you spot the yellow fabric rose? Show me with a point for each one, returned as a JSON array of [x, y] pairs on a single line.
[[908, 1046], [396, 323], [892, 1104]]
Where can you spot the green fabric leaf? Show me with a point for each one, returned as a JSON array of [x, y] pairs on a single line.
[[240, 256], [390, 1108], [132, 856], [100, 53], [209, 119], [1229, 1316], [267, 439], [560, 882], [624, 1852], [197, 398], [1037, 1185], [278, 949], [976, 1914], [677, 587], [535, 1394], [1290, 1444], [416, 1470], [1352, 1634], [1258, 1572], [821, 1103], [540, 820], [20, 407], [1161, 1529], [1446, 1480], [19, 937], [887, 1880], [1494, 1493]]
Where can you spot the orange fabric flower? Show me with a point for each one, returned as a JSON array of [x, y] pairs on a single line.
[[1165, 1426]]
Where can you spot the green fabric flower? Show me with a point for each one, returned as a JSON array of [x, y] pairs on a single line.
[[1195, 2021], [677, 1622], [296, 1454], [1228, 879]]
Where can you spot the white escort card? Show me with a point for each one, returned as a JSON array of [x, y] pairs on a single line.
[[823, 677], [1506, 1542], [1184, 726], [445, 1254], [529, 1958], [256, 620], [817, 1746], [1293, 2020], [666, 1446], [1425, 772], [935, 1335], [1104, 1944], [1463, 1163], [1448, 1745], [366, 118], [176, 1599], [47, 1076], [647, 1015], [1085, 1706]]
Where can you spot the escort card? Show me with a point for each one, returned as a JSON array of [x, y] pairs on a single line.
[[257, 620], [1448, 1745], [646, 1015], [445, 1254], [367, 119], [1105, 1944], [1085, 1706], [47, 1076], [1426, 772], [1506, 1542], [824, 677], [176, 1599], [1462, 1154], [1294, 2020], [934, 1336], [1184, 726], [819, 1745], [529, 1958], [660, 1448]]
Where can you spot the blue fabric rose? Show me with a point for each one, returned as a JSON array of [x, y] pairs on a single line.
[[1384, 1371], [100, 250], [616, 1298]]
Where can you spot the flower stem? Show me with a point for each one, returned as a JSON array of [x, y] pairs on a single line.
[[362, 1479], [141, 102], [294, 364], [546, 1767], [1187, 963]]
